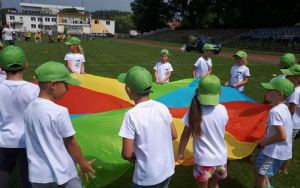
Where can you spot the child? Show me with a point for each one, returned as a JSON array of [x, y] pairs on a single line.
[[277, 143], [51, 147], [293, 74], [203, 66], [239, 72], [163, 69], [75, 58], [16, 94], [147, 132], [206, 121], [286, 61]]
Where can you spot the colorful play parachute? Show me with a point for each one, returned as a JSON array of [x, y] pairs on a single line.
[[98, 105]]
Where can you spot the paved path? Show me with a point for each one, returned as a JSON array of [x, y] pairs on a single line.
[[251, 57]]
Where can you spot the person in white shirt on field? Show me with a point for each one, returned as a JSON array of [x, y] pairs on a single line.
[[203, 65], [16, 94], [205, 122], [147, 131], [239, 72], [52, 149], [163, 69], [277, 142], [75, 58]]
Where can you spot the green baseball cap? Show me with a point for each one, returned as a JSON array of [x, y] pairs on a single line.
[[165, 52], [293, 70], [53, 71], [240, 54], [73, 40], [12, 58], [282, 85], [209, 90], [208, 47], [138, 79], [286, 61]]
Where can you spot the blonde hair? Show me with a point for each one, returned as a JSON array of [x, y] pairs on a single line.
[[245, 61], [79, 49]]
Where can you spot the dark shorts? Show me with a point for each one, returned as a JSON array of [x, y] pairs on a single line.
[[9, 159], [163, 184]]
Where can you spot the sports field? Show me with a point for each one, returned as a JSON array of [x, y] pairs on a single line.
[[109, 58]]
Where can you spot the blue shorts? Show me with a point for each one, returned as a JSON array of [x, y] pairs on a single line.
[[267, 166]]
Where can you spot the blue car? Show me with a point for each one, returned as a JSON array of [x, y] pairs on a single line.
[[196, 42]]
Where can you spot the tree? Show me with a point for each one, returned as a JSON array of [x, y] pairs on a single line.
[[70, 10], [4, 11], [124, 23], [150, 15]]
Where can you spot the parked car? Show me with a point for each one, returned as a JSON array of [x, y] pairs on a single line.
[[196, 42]]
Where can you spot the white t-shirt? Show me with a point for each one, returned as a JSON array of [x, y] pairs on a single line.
[[76, 61], [295, 98], [202, 66], [48, 158], [238, 73], [15, 97], [162, 70], [210, 149], [8, 33], [2, 75], [148, 124], [279, 76], [279, 115]]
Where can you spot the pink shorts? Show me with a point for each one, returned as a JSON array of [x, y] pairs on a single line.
[[204, 173]]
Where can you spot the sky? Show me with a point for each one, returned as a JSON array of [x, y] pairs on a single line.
[[89, 5]]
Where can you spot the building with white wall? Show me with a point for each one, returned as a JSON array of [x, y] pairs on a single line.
[[32, 8], [40, 17]]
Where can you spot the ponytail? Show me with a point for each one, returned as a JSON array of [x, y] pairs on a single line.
[[195, 116], [79, 49]]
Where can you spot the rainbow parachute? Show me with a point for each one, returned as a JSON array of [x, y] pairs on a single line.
[[98, 105]]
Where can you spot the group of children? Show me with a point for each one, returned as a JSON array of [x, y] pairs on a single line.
[[205, 121], [33, 120]]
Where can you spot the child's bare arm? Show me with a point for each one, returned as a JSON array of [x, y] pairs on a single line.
[[166, 78], [173, 131], [156, 77], [69, 66], [127, 150], [185, 136], [209, 71], [75, 151], [228, 82], [278, 137], [194, 71], [292, 108], [245, 80], [82, 68]]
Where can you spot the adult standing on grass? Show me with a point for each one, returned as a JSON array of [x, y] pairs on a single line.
[[203, 65], [8, 35], [75, 58], [205, 122]]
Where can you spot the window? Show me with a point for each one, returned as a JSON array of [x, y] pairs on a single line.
[[13, 25], [76, 21], [33, 26], [12, 17], [53, 19], [40, 26], [40, 19], [107, 22], [64, 21], [32, 18], [47, 19], [96, 21]]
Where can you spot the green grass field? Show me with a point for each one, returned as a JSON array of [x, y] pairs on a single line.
[[109, 58]]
